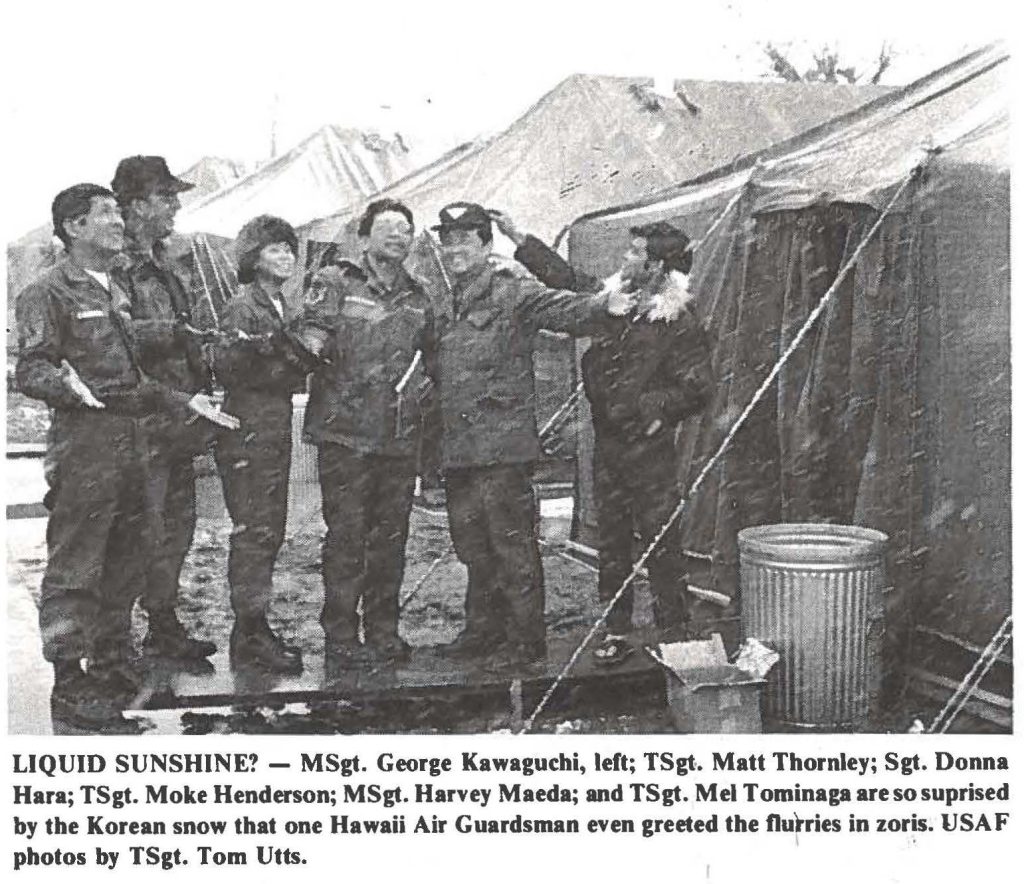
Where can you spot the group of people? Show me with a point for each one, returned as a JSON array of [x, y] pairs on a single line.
[[115, 340]]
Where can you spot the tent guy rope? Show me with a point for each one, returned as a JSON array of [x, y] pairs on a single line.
[[206, 286], [729, 436], [958, 699]]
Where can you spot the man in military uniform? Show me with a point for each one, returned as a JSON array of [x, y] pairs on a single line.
[[78, 354], [147, 194], [642, 379], [485, 334], [372, 322]]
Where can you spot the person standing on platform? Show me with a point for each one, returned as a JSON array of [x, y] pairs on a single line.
[[642, 379], [78, 352], [486, 616], [260, 367], [489, 438], [373, 324], [147, 193]]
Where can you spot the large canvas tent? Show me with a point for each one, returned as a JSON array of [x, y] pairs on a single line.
[[332, 168], [597, 141], [895, 411]]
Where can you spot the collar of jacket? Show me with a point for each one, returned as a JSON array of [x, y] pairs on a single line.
[[76, 276], [263, 299], [137, 262], [399, 287], [475, 290]]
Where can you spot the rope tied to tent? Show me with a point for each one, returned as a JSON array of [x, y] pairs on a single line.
[[771, 377], [225, 292], [434, 565], [202, 278], [958, 699]]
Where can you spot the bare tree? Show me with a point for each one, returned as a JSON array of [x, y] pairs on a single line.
[[882, 65], [781, 66], [826, 68]]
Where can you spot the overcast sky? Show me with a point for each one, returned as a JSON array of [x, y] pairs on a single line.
[[88, 82]]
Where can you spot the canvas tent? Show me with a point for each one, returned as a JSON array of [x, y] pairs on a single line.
[[596, 141], [332, 168], [209, 175], [895, 411]]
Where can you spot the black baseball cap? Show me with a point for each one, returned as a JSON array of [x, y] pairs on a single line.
[[463, 216], [137, 177]]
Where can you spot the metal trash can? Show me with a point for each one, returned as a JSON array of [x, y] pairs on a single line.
[[812, 592]]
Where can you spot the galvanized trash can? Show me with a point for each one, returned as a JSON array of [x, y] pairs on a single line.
[[812, 592]]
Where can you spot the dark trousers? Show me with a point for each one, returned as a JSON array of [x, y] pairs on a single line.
[[635, 489], [492, 515], [367, 500], [95, 548], [254, 465], [170, 524]]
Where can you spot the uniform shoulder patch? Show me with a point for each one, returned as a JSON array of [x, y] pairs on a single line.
[[333, 277]]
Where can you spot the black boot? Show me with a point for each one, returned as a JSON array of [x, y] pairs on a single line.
[[167, 638], [88, 702], [254, 643], [392, 648]]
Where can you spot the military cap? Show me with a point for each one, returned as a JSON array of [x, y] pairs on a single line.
[[138, 177], [667, 243], [261, 231], [464, 216]]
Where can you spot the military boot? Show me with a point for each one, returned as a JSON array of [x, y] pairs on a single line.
[[254, 643], [168, 638], [86, 702]]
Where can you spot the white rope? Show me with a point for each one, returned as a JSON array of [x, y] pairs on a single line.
[[206, 287], [729, 206], [979, 670], [445, 278], [216, 270], [726, 442], [426, 576], [229, 272], [560, 417]]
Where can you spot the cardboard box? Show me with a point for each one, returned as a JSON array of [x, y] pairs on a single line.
[[707, 694]]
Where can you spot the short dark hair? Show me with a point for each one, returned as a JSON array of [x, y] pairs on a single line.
[[379, 207], [486, 234], [72, 203]]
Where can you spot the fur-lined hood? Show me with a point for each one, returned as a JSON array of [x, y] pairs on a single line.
[[668, 303]]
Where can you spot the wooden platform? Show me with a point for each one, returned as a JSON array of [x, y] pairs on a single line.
[[430, 690]]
